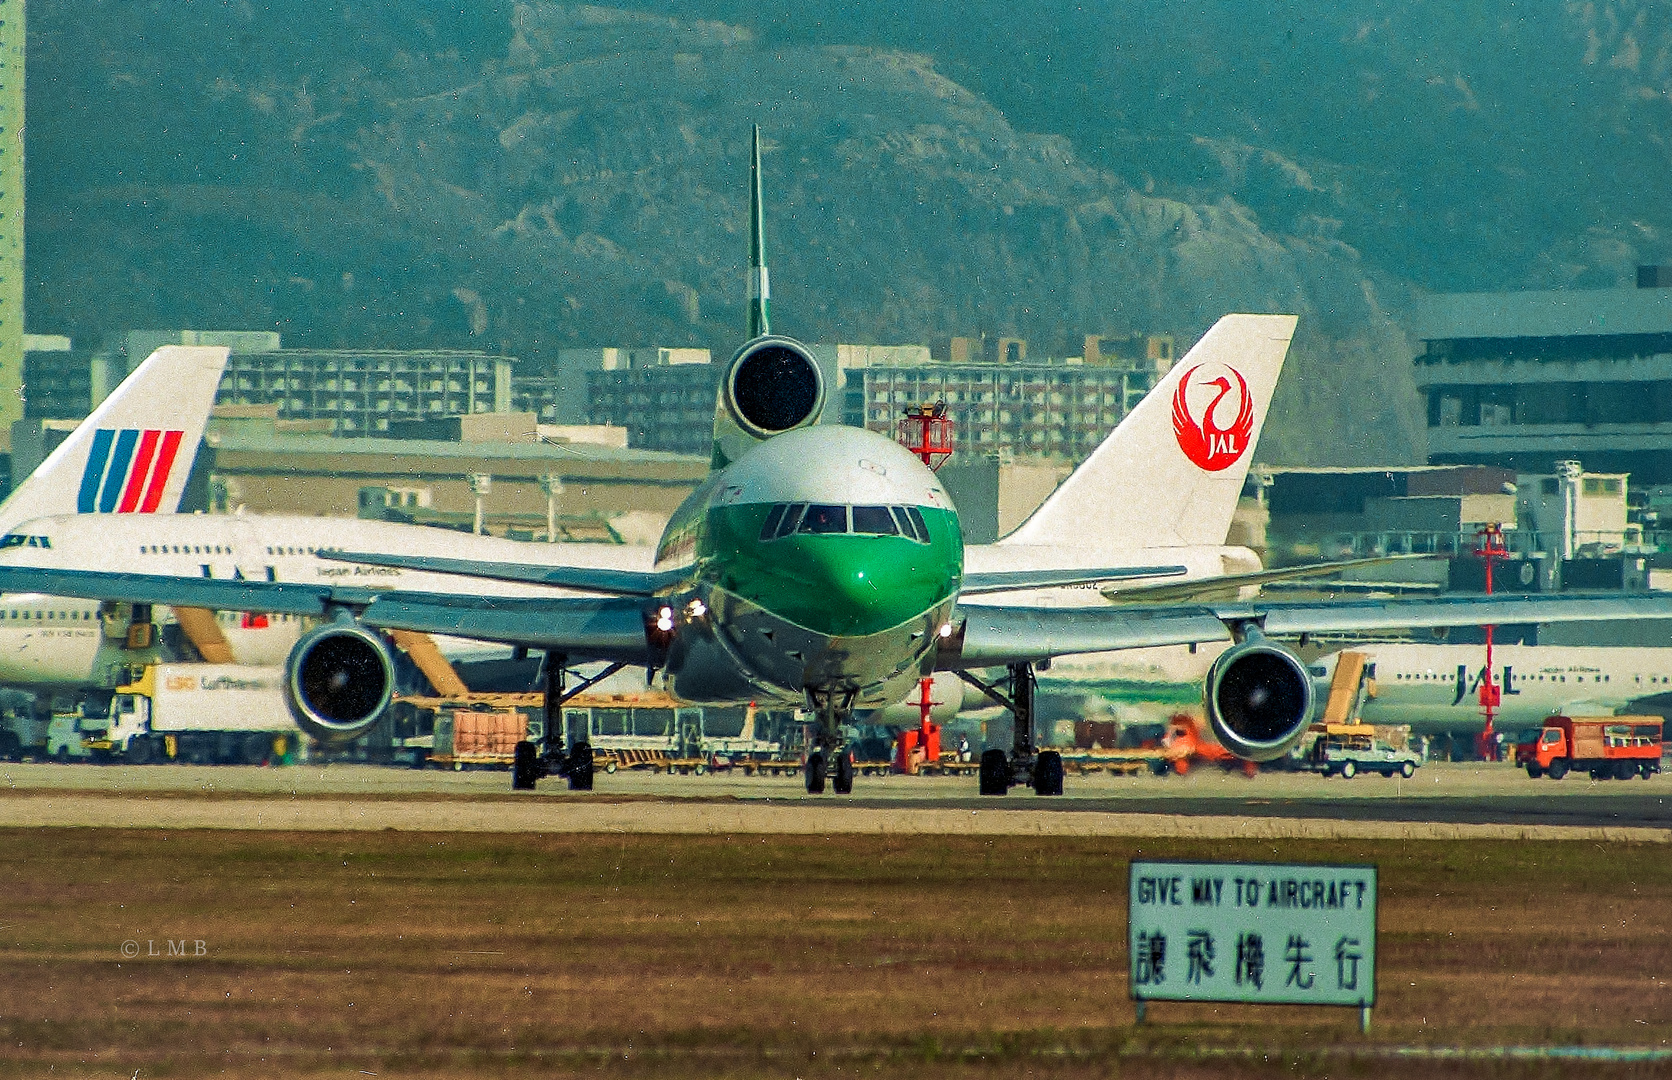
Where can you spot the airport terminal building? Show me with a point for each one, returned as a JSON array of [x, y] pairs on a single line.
[[1524, 380]]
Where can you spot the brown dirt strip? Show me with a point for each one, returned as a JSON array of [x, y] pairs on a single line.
[[482, 954]]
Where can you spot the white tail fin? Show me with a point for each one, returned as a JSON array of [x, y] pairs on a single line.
[[1171, 473], [133, 455]]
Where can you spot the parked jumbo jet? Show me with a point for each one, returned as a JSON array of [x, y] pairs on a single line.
[[129, 460], [817, 566], [1436, 688]]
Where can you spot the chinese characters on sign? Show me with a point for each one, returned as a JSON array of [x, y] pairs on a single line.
[[1253, 932]]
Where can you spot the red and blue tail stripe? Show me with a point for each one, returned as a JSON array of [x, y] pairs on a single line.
[[127, 470]]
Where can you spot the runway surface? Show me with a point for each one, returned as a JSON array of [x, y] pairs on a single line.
[[1443, 801]]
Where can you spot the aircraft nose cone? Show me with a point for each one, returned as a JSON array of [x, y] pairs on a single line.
[[851, 586]]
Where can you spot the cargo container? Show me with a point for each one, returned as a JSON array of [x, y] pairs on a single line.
[[477, 736], [1618, 747]]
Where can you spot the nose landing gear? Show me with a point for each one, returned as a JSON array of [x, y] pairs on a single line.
[[831, 759], [837, 768]]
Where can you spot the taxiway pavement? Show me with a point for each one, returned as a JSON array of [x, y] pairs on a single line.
[[1443, 801]]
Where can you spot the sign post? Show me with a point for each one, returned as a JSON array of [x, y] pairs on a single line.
[[1261, 933]]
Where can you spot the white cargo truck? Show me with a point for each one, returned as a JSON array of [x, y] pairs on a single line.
[[205, 714]]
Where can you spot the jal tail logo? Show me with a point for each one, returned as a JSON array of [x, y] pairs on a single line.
[[1211, 446], [127, 470]]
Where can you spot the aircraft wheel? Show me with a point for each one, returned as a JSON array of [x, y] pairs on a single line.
[[815, 773], [524, 767], [995, 772], [842, 781], [1558, 769], [1048, 774], [580, 767], [1349, 770]]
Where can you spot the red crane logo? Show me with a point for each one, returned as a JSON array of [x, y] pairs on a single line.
[[1204, 441]]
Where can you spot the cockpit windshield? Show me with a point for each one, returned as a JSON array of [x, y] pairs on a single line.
[[15, 540], [825, 519], [787, 519], [875, 521]]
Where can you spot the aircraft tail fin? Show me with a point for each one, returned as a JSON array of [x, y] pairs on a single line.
[[133, 455], [772, 384], [1171, 473], [760, 290]]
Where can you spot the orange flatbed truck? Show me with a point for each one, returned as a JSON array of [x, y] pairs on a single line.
[[1607, 746]]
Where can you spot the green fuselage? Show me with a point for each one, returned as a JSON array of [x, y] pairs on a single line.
[[850, 602]]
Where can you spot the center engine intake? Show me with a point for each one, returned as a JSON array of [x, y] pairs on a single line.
[[1259, 698], [771, 386], [339, 679]]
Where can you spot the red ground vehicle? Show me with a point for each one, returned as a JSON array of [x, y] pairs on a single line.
[[1185, 744], [1606, 746]]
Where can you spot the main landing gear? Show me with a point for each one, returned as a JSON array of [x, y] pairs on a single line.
[[532, 762], [1042, 771], [830, 757]]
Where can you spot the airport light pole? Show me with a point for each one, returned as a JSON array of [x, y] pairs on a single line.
[[481, 484], [1491, 548], [552, 485]]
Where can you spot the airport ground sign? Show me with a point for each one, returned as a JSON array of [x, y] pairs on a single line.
[[1263, 933]]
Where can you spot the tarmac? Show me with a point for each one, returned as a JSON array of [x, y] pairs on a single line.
[[1443, 801]]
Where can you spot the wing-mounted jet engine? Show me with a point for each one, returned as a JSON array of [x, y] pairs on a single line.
[[339, 679], [1259, 698]]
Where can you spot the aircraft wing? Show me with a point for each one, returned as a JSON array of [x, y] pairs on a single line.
[[648, 583], [578, 578], [997, 634], [1016, 580], [1226, 586], [601, 628]]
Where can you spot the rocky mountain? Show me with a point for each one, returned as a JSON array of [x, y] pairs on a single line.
[[528, 176]]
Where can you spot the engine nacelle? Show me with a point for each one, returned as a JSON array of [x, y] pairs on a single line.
[[1259, 699], [338, 681], [771, 386]]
